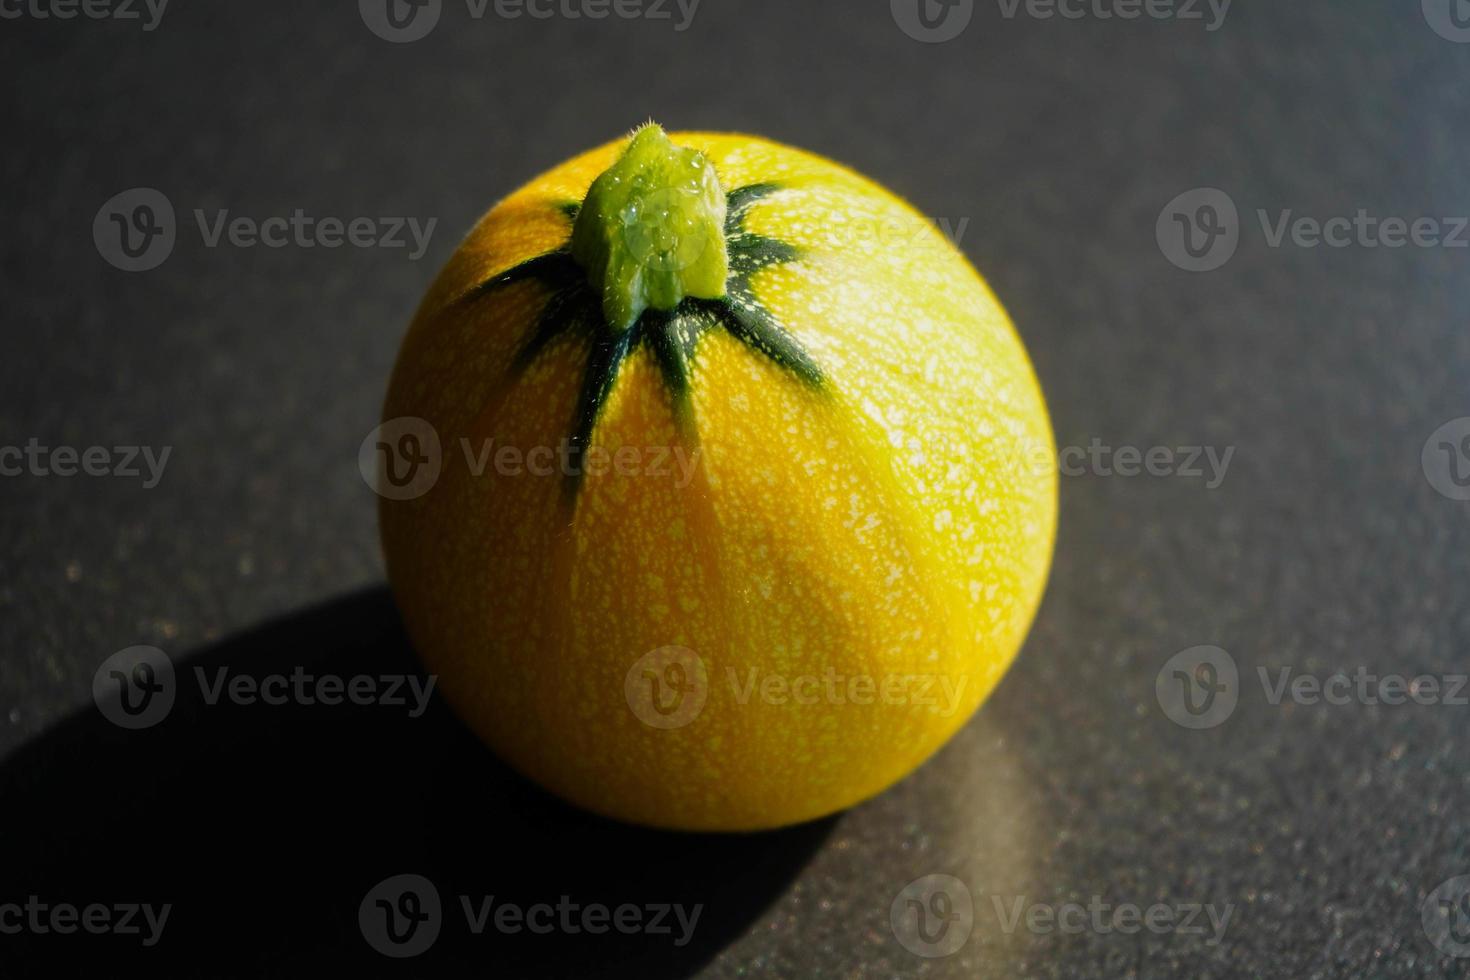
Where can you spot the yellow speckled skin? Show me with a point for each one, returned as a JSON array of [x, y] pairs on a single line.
[[887, 533]]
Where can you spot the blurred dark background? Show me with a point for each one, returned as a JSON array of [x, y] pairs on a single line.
[[1336, 541]]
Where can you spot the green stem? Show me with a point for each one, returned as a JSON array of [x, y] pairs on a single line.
[[652, 230]]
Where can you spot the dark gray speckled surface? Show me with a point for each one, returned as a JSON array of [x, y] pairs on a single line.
[[1325, 548]]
